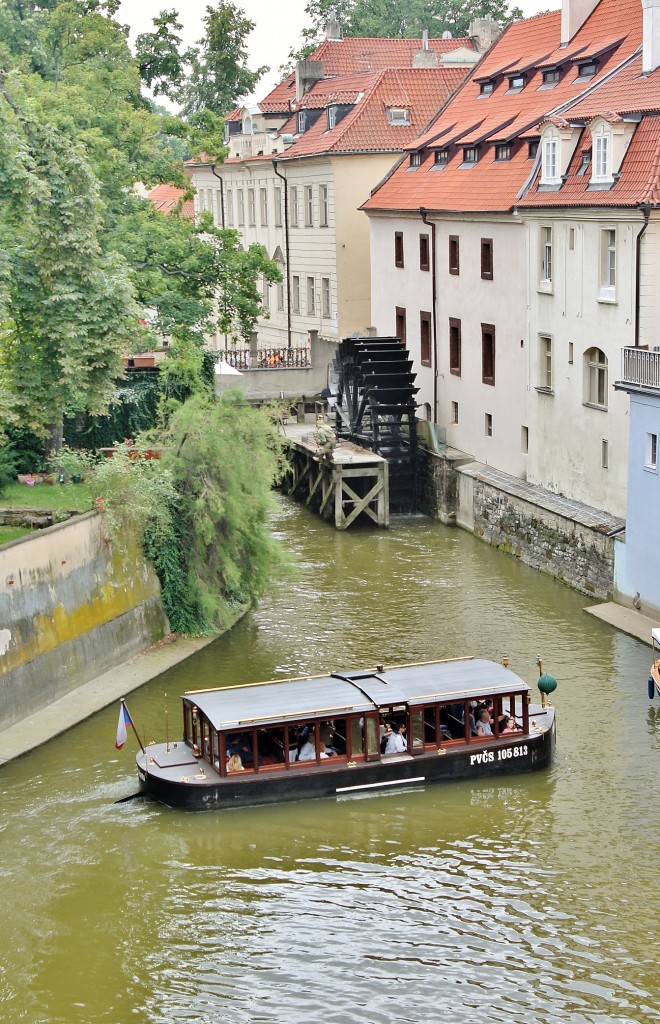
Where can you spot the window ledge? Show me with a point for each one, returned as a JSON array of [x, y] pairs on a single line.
[[594, 405], [607, 296], [651, 469], [544, 391], [545, 286]]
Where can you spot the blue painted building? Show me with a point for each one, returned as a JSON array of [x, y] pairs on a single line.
[[637, 559]]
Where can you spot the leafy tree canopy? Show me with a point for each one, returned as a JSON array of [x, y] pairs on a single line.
[[403, 18]]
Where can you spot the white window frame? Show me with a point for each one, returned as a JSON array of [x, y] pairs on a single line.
[[332, 117], [263, 206], [651, 453], [545, 362], [550, 163], [278, 206], [311, 296], [309, 206], [596, 376], [323, 206], [545, 283], [398, 116], [252, 208], [280, 289], [607, 282], [293, 207], [601, 163], [266, 294], [325, 297], [241, 207], [295, 293], [229, 194]]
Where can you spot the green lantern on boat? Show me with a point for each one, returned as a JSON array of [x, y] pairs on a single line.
[[547, 684]]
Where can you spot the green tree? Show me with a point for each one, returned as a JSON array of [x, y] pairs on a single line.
[[219, 75], [160, 57], [404, 18], [67, 311]]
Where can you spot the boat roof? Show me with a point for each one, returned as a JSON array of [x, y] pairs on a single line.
[[343, 693]]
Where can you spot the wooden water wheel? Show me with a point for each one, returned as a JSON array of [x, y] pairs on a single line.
[[376, 408]]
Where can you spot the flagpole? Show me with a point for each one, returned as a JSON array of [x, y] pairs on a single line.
[[133, 727]]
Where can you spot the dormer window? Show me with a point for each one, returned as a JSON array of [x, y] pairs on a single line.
[[398, 116], [587, 70], [247, 125], [470, 154], [441, 157], [585, 162], [503, 152], [551, 77], [301, 121], [602, 161], [415, 159], [486, 88], [516, 83], [532, 149], [550, 162], [332, 117]]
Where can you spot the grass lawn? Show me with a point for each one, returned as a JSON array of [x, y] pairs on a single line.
[[8, 533], [68, 497]]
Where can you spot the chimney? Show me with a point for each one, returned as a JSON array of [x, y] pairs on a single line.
[[308, 73], [333, 30], [651, 50], [484, 31], [425, 39], [426, 57], [574, 13]]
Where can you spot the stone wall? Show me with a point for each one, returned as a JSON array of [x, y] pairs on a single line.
[[72, 606], [567, 540]]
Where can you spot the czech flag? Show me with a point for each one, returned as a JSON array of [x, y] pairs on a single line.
[[124, 720]]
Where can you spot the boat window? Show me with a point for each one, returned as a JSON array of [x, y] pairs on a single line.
[[357, 738], [430, 725], [373, 736], [239, 751], [417, 726], [270, 746]]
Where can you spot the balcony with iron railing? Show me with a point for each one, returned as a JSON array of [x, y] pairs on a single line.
[[640, 370]]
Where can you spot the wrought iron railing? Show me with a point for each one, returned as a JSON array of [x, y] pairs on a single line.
[[639, 366], [268, 358]]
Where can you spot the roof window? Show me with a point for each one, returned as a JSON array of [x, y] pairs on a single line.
[[503, 152], [487, 88], [516, 83], [441, 157], [585, 162], [470, 154], [398, 116], [551, 77], [415, 159], [532, 148], [587, 70], [332, 116], [301, 121]]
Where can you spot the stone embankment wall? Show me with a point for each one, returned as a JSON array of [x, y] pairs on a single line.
[[574, 545], [71, 607]]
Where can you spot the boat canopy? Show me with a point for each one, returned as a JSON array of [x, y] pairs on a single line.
[[344, 693], [655, 635]]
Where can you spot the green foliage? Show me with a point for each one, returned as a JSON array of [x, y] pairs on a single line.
[[219, 75], [159, 56], [404, 18], [135, 491], [8, 463]]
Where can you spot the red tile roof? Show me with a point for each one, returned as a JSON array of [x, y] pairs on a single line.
[[355, 55], [614, 30], [628, 92], [166, 199], [639, 181], [366, 127]]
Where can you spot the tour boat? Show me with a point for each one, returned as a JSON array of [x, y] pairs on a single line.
[[332, 735], [654, 678]]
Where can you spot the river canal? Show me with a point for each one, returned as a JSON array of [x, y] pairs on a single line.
[[534, 900]]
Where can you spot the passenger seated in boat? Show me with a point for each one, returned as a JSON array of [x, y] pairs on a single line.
[[307, 752], [483, 723], [323, 751], [385, 737], [234, 764], [396, 743], [511, 726]]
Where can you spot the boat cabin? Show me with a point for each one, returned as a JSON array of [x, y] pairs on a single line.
[[294, 724]]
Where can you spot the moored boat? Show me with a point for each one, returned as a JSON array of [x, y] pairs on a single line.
[[654, 678], [349, 733]]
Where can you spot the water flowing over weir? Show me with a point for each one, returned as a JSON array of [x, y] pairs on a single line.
[[527, 899]]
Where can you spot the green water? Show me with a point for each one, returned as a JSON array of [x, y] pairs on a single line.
[[533, 899]]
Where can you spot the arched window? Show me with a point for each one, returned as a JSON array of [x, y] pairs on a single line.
[[595, 378]]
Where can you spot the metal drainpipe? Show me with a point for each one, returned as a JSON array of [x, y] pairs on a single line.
[[222, 194], [286, 254], [424, 215], [646, 210]]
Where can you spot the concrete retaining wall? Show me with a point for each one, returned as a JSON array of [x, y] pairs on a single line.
[[569, 550], [71, 607]]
